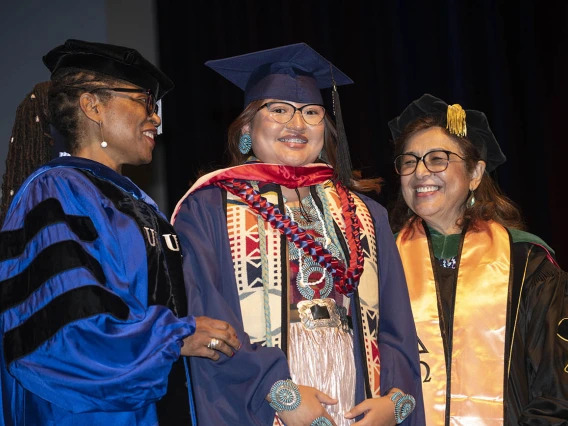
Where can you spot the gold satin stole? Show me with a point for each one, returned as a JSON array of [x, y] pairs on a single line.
[[477, 365]]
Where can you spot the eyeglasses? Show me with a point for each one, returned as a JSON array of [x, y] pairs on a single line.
[[150, 102], [283, 112], [435, 161]]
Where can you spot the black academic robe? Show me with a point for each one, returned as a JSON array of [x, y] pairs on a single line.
[[536, 391]]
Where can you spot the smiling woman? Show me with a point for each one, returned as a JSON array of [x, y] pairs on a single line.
[[486, 296], [437, 186], [280, 246], [280, 136], [93, 313], [127, 125]]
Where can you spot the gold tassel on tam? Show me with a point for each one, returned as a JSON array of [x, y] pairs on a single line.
[[456, 120]]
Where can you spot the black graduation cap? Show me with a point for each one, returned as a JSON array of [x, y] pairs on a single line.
[[293, 73], [116, 61], [469, 122]]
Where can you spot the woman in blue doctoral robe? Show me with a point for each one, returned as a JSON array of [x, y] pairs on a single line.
[[93, 312]]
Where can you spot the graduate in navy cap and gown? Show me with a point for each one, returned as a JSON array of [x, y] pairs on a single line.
[[281, 246], [489, 300], [93, 312]]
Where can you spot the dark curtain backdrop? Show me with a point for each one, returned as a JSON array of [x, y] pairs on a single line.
[[508, 59]]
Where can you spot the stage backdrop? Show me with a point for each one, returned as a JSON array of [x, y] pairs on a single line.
[[510, 62]]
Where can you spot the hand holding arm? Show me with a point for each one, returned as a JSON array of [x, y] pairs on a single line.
[[389, 410], [207, 329]]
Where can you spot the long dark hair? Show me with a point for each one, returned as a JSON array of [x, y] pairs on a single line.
[[490, 202], [329, 154]]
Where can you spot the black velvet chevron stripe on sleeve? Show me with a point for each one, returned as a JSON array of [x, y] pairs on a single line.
[[55, 259], [48, 212], [79, 303]]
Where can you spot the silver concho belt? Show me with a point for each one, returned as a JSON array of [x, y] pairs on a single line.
[[322, 313]]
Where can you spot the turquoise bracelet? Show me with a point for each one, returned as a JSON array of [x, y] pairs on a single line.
[[321, 421], [403, 406], [285, 395]]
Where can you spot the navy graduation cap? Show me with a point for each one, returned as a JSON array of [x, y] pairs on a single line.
[[293, 73]]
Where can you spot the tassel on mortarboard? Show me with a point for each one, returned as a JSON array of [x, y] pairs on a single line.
[[478, 131], [456, 124], [343, 167]]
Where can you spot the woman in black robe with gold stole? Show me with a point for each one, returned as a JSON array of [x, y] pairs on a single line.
[[489, 300]]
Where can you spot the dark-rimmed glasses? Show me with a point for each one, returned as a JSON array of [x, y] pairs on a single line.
[[151, 104], [435, 161], [283, 112]]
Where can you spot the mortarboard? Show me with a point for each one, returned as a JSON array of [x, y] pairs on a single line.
[[293, 73], [116, 61], [469, 122]]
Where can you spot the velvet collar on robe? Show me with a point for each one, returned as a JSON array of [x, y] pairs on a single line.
[[98, 169]]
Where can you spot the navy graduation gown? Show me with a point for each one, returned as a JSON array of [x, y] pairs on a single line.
[[233, 390]]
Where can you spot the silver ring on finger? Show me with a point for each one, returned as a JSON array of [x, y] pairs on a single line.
[[321, 421], [213, 343]]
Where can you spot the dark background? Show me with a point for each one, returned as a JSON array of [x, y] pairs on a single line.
[[508, 59]]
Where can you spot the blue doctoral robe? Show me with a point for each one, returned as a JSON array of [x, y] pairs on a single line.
[[233, 390], [90, 285]]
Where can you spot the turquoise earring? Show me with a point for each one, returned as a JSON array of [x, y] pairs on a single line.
[[245, 143]]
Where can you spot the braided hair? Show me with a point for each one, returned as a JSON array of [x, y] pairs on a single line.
[[30, 143], [67, 86], [55, 103]]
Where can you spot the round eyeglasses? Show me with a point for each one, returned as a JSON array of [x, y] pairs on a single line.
[[283, 112], [150, 102], [435, 161]]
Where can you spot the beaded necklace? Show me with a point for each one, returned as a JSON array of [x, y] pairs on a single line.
[[345, 279], [306, 265]]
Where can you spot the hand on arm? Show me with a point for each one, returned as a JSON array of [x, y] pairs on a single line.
[[207, 329], [309, 409], [377, 411]]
